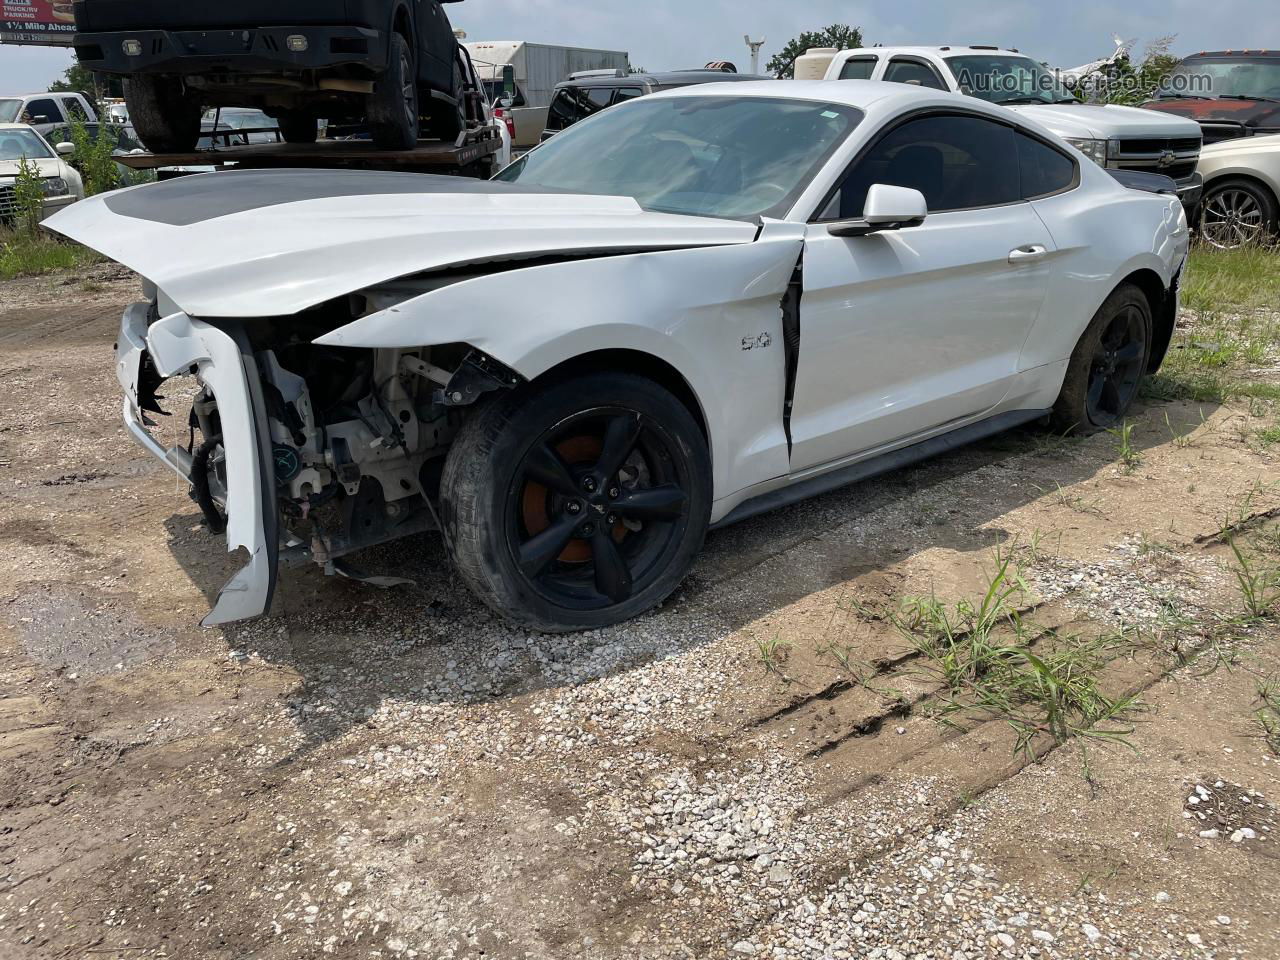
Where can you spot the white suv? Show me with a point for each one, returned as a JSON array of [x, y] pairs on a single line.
[[1115, 137]]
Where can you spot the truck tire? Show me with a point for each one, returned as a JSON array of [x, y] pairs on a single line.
[[447, 120], [577, 504], [297, 127], [1107, 366], [166, 118], [393, 106]]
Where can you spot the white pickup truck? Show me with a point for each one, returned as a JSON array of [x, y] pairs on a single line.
[[1115, 137], [47, 111]]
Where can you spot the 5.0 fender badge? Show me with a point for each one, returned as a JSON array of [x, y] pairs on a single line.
[[756, 343]]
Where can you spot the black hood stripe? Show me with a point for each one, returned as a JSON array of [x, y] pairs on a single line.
[[184, 201]]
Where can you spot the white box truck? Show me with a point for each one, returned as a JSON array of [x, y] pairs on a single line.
[[529, 72]]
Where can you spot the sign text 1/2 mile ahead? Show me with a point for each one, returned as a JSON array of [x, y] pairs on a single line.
[[37, 21]]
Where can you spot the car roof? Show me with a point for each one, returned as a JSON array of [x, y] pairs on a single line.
[[1233, 54], [885, 98], [669, 78], [19, 126], [979, 50], [860, 93]]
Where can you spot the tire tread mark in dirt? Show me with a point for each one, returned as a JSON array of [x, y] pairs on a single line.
[[1040, 748], [884, 666], [1240, 526]]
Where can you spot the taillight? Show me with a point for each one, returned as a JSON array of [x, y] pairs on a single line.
[[500, 114]]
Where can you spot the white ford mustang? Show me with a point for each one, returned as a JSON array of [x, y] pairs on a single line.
[[685, 310]]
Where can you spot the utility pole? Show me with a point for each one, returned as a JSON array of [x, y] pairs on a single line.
[[754, 46]]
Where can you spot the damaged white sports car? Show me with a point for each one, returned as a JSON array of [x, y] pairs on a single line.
[[686, 310]]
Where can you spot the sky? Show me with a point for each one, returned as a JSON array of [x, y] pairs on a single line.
[[673, 34]]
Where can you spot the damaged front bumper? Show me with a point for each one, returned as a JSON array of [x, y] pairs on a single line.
[[221, 360]]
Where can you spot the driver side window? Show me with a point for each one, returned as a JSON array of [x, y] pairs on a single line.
[[957, 161]]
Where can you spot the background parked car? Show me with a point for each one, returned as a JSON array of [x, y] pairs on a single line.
[[1120, 138], [237, 126], [527, 74], [47, 111], [578, 99], [1229, 93], [388, 62], [62, 185], [1241, 191]]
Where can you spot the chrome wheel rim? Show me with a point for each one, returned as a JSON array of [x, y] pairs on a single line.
[[1231, 218]]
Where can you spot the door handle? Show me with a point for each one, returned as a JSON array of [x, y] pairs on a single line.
[[1028, 252]]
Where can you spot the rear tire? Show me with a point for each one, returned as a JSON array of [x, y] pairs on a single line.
[[578, 504], [167, 119], [447, 120], [297, 128], [393, 107], [1107, 365]]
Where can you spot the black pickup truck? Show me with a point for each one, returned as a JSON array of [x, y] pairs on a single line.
[[392, 64]]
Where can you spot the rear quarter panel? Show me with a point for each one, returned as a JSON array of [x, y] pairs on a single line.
[[1101, 236]]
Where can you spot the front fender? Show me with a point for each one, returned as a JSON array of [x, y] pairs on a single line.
[[712, 313]]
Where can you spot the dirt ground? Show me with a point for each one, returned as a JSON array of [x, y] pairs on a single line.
[[757, 769]]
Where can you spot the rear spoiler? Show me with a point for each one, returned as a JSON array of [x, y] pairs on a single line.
[[1147, 182]]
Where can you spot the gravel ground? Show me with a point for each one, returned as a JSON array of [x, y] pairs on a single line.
[[399, 774]]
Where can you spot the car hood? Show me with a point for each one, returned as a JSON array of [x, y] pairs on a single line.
[[272, 243], [1253, 114], [1243, 149], [1096, 121], [47, 166]]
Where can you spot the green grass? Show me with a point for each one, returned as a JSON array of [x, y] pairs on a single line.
[[1267, 716], [1126, 452], [22, 254], [982, 654], [1244, 279], [1233, 328], [773, 653], [1259, 581]]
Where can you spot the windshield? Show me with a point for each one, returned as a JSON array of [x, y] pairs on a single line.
[[9, 110], [734, 157], [1235, 78], [16, 144], [1008, 80]]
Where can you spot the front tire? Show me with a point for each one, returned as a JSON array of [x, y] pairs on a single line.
[[1107, 365], [393, 107], [578, 504], [166, 119]]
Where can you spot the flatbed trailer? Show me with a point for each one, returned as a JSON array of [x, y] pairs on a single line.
[[469, 156]]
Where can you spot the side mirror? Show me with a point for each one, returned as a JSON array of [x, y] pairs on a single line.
[[65, 149], [887, 208], [506, 103]]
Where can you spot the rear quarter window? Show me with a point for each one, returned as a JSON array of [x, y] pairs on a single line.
[[1043, 170]]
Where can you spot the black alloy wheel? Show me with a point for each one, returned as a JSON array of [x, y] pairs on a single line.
[[1117, 366], [578, 504], [1107, 365], [594, 507]]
